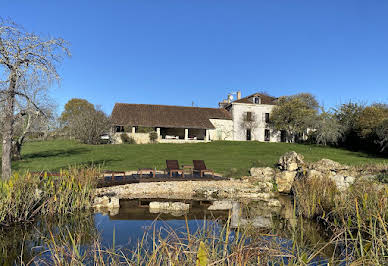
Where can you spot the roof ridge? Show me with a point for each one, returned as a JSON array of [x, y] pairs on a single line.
[[166, 105]]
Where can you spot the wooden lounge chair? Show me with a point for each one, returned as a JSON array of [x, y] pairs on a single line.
[[173, 167], [199, 166]]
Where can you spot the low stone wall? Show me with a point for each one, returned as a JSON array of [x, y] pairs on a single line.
[[140, 138], [205, 190]]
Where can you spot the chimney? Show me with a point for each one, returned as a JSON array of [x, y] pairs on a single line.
[[238, 95]]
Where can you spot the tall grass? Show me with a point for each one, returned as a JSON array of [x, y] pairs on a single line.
[[26, 195], [209, 245], [358, 215]]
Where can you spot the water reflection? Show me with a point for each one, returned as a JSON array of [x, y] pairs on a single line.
[[26, 243], [124, 227]]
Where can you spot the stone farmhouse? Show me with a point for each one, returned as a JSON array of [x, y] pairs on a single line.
[[243, 119]]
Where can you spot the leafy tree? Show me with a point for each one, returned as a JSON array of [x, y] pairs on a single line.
[[348, 115], [382, 136], [74, 108], [294, 114], [370, 118], [24, 58]]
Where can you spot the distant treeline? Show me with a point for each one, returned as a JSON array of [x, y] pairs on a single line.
[[352, 125]]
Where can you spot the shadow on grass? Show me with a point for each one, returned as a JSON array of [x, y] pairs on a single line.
[[55, 169], [92, 163], [55, 153]]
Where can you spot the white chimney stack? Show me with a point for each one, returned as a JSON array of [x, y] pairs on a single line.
[[238, 95]]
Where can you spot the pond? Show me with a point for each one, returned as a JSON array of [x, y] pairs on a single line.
[[123, 228]]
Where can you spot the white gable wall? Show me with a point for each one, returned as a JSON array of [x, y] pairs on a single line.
[[239, 111], [223, 129]]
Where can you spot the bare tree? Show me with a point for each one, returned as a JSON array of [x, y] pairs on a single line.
[[34, 115], [24, 57], [89, 125]]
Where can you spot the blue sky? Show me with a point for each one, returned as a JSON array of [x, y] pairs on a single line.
[[184, 51]]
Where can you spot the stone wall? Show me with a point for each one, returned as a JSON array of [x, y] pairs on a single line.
[[291, 166], [258, 111], [140, 138], [223, 129]]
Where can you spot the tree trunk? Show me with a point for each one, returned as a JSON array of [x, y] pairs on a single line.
[[16, 151], [8, 129]]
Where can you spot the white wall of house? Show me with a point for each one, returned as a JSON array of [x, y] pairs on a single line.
[[223, 129], [239, 111]]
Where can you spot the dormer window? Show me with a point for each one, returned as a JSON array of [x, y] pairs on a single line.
[[256, 100]]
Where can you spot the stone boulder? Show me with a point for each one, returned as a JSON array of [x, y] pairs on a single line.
[[312, 173], [327, 165], [220, 205], [342, 182], [262, 174], [285, 180], [290, 161], [106, 202]]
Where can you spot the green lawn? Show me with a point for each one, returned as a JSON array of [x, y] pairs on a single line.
[[219, 155]]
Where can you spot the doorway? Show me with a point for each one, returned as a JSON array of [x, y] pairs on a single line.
[[249, 135]]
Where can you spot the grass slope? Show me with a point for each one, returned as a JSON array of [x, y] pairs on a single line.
[[219, 155]]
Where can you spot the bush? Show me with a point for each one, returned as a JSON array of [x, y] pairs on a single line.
[[153, 136], [127, 139], [382, 177], [236, 173], [145, 129]]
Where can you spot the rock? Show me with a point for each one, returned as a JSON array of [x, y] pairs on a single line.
[[327, 165], [264, 174], [106, 202], [314, 174], [284, 180], [290, 161], [169, 206], [220, 205], [342, 182], [274, 203], [114, 202]]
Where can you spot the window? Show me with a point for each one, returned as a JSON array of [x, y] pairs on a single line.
[[257, 100], [249, 116], [283, 136], [267, 117], [119, 129], [267, 135], [249, 136]]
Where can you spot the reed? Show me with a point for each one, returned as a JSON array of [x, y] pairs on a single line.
[[358, 215], [26, 195]]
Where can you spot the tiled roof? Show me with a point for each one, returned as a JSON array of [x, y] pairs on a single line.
[[147, 115], [265, 99]]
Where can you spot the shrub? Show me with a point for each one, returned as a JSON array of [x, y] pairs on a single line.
[[236, 173], [382, 177], [153, 136], [127, 139], [145, 129]]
